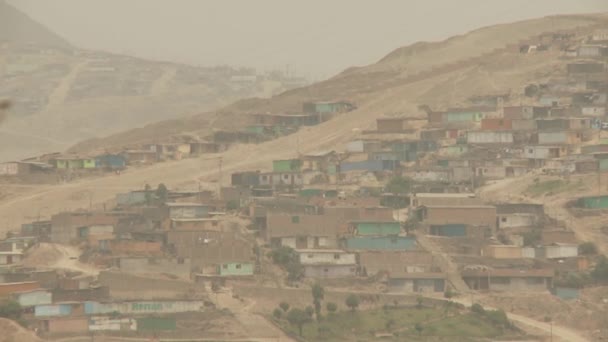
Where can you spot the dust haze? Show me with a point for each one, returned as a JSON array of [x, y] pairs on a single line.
[[303, 171]]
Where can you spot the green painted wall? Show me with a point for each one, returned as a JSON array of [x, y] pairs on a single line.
[[61, 164], [595, 202], [603, 164], [378, 228], [456, 150], [236, 269], [89, 163]]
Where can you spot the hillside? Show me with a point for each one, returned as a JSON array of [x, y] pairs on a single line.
[[18, 27], [365, 84], [63, 95], [448, 84]]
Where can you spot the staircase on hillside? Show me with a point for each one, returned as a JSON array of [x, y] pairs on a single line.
[[445, 262]]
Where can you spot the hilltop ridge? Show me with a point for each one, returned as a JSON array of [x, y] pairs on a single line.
[[16, 26]]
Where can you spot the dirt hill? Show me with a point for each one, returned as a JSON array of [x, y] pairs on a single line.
[[18, 27], [415, 63], [62, 95]]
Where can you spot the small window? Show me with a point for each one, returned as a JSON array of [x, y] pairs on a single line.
[[310, 256], [530, 150], [503, 281], [535, 281], [326, 270], [238, 266], [337, 256], [225, 266], [503, 219], [214, 223], [180, 261], [295, 219]]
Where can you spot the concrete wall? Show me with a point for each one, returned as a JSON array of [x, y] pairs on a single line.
[[236, 269], [519, 284], [330, 271], [143, 307], [561, 251], [479, 216], [381, 243], [311, 242], [320, 257], [34, 298], [502, 252], [154, 265]]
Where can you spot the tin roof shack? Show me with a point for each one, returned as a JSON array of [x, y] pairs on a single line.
[[177, 210], [374, 228], [41, 230], [397, 263], [24, 169], [65, 226], [548, 237], [289, 120], [304, 231], [329, 263], [111, 161], [130, 247], [525, 112], [515, 215], [394, 125], [135, 157], [544, 152], [558, 124], [363, 146], [585, 68], [496, 124], [328, 107], [593, 202], [73, 162], [7, 289], [369, 165], [226, 257], [482, 216], [245, 179], [561, 137], [323, 161], [490, 137], [508, 279], [281, 179], [463, 199], [287, 165], [205, 147]]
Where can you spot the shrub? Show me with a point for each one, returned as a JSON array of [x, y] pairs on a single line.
[[587, 248], [352, 301], [277, 313], [284, 306], [477, 308], [331, 307]]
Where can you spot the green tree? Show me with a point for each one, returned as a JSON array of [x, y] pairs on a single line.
[[447, 307], [587, 248], [331, 307], [600, 272], [298, 318], [419, 301], [277, 313], [448, 294], [289, 260], [477, 308], [284, 306], [352, 301], [419, 328], [318, 294], [162, 193], [399, 185], [309, 311]]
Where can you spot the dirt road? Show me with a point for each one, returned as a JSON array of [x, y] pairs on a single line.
[[59, 257]]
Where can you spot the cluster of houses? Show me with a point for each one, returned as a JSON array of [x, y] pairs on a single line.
[[264, 127]]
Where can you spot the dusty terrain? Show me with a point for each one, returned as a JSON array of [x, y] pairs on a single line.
[[62, 94], [398, 85]]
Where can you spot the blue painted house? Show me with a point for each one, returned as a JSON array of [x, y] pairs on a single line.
[[111, 161]]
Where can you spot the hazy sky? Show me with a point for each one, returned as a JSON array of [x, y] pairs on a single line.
[[317, 38]]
